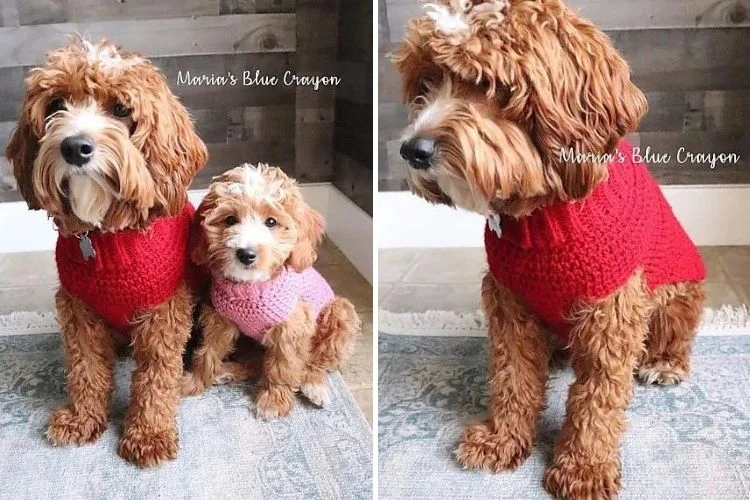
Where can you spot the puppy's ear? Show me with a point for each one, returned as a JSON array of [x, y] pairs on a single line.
[[310, 230], [198, 243], [21, 151], [169, 142]]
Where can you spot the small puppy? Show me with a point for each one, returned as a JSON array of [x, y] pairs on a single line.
[[519, 112], [260, 241], [108, 151]]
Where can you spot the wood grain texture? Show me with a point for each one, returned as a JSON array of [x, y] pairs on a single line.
[[317, 32], [354, 180], [255, 6], [31, 12], [251, 33], [9, 13]]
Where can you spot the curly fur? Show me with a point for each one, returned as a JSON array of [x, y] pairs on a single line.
[[142, 164], [502, 87], [300, 350]]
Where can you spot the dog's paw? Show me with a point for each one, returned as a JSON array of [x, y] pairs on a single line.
[[274, 403], [191, 385], [572, 479], [317, 394], [661, 373], [146, 449], [233, 372], [65, 427], [483, 448]]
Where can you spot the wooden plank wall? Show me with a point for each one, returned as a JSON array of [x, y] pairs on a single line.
[[353, 131], [690, 57], [285, 125]]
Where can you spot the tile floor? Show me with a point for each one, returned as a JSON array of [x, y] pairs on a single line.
[[28, 281], [414, 280]]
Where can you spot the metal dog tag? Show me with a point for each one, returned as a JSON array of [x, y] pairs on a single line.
[[87, 248], [494, 222]]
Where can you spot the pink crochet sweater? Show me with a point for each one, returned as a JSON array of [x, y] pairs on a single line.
[[257, 307]]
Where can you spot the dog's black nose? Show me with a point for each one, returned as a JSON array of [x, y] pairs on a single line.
[[246, 256], [418, 151], [77, 149]]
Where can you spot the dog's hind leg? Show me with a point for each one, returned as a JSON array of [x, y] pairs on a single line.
[[338, 325], [674, 320]]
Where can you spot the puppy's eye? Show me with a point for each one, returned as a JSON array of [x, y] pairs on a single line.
[[271, 222], [55, 105], [121, 111], [231, 220]]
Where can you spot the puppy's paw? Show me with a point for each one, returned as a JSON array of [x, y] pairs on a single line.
[[274, 403], [191, 385], [661, 373], [146, 449], [573, 479], [233, 372], [482, 447], [65, 427], [317, 394]]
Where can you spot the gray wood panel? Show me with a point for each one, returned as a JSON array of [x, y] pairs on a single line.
[[614, 16], [65, 11], [354, 180], [257, 6], [317, 31], [158, 37]]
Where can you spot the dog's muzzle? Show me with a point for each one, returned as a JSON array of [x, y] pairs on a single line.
[[418, 151]]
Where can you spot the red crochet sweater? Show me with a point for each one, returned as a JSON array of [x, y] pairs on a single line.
[[587, 249], [133, 269]]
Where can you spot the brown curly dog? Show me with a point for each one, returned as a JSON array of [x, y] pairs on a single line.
[[108, 151], [519, 110]]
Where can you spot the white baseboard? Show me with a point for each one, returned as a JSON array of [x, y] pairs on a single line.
[[349, 227], [711, 214]]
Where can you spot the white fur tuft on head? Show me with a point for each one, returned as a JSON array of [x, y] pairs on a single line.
[[454, 20], [104, 53], [255, 185]]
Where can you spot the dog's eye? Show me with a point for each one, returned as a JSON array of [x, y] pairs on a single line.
[[231, 220], [121, 111], [270, 222], [55, 105]]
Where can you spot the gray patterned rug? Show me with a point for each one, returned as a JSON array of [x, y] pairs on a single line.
[[225, 451], [691, 441]]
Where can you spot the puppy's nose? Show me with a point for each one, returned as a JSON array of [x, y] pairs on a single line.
[[246, 256], [418, 151], [77, 149]]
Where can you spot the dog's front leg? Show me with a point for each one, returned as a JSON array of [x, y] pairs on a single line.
[[90, 354], [159, 338], [287, 349], [606, 341], [519, 359], [208, 364]]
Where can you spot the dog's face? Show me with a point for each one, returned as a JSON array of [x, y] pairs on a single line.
[[497, 90], [102, 143], [252, 222]]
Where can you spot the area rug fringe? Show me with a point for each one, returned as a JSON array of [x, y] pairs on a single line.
[[727, 320]]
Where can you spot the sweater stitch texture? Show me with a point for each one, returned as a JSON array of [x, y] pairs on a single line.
[[257, 307], [134, 270], [585, 250]]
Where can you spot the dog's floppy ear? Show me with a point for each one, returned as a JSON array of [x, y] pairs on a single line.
[[198, 244], [414, 62], [581, 102], [173, 151], [310, 230], [21, 151]]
